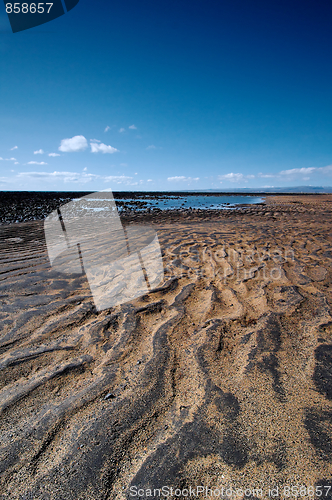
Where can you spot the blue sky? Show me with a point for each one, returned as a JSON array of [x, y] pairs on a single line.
[[168, 95]]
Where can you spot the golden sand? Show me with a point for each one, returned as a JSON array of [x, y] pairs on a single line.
[[221, 377]]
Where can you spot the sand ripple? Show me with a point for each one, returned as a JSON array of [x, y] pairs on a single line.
[[221, 376]]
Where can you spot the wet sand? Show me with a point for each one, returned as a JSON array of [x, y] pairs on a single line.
[[220, 377]]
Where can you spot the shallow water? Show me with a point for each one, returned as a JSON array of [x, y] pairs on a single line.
[[203, 202]]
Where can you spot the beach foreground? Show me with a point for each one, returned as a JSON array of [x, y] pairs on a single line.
[[221, 377]]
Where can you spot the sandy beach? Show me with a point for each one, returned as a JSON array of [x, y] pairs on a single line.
[[221, 377]]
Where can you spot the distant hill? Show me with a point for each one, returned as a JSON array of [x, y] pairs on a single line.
[[279, 190]]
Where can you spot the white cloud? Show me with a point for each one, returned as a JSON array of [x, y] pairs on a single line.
[[298, 171], [284, 175], [77, 143], [85, 169], [39, 152], [132, 127], [8, 159], [122, 130], [102, 148], [325, 170], [177, 178], [37, 174], [119, 179], [62, 176], [69, 177], [265, 176], [36, 163], [15, 147], [95, 140], [107, 128], [151, 147], [16, 163], [294, 172], [150, 180], [54, 154], [233, 177]]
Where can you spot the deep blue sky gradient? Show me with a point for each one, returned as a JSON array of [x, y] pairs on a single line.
[[224, 94]]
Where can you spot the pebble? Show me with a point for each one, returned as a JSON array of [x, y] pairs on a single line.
[[110, 395]]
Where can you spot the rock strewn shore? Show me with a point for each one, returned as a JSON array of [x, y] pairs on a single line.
[[24, 206]]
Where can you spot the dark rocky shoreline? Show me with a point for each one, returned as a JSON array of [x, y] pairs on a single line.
[[27, 206]]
